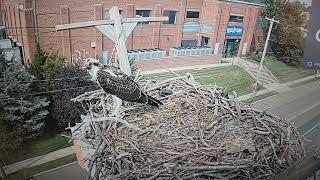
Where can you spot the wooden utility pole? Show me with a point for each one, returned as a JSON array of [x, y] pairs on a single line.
[[118, 30], [265, 47]]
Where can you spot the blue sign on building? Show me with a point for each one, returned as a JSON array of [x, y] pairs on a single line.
[[234, 31]]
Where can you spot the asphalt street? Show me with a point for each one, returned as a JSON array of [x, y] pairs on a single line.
[[301, 105]]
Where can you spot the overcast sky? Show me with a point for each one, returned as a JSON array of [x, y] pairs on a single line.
[[308, 2]]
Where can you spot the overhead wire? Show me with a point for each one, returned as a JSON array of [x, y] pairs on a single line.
[[53, 91], [45, 80]]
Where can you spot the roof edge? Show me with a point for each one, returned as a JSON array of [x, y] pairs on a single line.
[[243, 2]]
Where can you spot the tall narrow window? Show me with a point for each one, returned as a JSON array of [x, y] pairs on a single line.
[[171, 15], [143, 13], [193, 14]]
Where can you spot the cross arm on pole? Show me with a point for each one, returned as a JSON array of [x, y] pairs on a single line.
[[272, 20], [117, 29]]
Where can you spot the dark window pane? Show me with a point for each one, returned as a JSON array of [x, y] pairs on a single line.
[[143, 13], [189, 43], [205, 41], [236, 19], [261, 22], [192, 14], [171, 15]]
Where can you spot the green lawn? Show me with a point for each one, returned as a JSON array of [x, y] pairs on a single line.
[[43, 145], [41, 168], [233, 78], [284, 72]]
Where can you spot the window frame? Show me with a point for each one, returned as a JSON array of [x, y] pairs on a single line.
[[190, 40], [193, 11], [175, 17], [136, 14], [235, 17]]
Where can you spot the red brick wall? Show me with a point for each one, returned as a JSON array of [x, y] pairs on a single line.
[[49, 13], [19, 24]]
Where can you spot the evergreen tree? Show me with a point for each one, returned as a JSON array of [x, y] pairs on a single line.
[[75, 81], [18, 109], [45, 66]]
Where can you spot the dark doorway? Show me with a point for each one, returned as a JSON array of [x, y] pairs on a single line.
[[205, 41], [231, 47]]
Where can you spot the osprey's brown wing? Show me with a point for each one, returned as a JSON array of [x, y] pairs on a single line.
[[114, 81]]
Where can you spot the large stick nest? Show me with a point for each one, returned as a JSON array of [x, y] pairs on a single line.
[[199, 133]]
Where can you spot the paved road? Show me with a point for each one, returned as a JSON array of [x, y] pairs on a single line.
[[301, 105], [69, 172]]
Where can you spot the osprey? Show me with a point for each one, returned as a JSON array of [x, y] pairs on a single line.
[[115, 82]]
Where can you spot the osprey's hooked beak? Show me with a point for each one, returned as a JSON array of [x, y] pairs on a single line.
[[88, 67]]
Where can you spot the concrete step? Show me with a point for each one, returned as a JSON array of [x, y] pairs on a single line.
[[263, 74], [263, 71], [266, 79]]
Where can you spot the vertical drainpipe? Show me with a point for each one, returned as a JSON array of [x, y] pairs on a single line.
[[35, 23]]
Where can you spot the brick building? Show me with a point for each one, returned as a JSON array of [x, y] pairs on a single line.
[[225, 26]]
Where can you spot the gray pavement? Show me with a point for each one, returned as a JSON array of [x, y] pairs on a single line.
[[300, 105], [68, 172], [293, 103]]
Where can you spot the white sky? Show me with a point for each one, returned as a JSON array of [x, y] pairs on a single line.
[[308, 2]]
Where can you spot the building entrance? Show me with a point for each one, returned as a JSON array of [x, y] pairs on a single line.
[[231, 47]]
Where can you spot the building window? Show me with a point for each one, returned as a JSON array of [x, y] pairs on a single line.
[[236, 19], [193, 14], [261, 22], [171, 15], [143, 13], [189, 43], [107, 14]]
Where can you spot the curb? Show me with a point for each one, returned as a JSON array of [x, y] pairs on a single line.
[[54, 169]]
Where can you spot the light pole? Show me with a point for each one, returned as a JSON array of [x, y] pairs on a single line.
[[265, 47]]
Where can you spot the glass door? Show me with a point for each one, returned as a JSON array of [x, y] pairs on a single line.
[[231, 47]]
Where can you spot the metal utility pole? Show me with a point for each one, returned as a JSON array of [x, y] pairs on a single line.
[[265, 46]]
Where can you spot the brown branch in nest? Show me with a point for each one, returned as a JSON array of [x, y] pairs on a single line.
[[199, 132]]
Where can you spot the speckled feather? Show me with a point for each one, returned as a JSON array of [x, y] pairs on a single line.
[[114, 81]]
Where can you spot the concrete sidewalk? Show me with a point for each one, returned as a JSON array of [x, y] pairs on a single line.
[[176, 62], [39, 160], [164, 70]]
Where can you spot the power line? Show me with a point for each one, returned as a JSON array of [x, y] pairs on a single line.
[[45, 80], [53, 91]]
